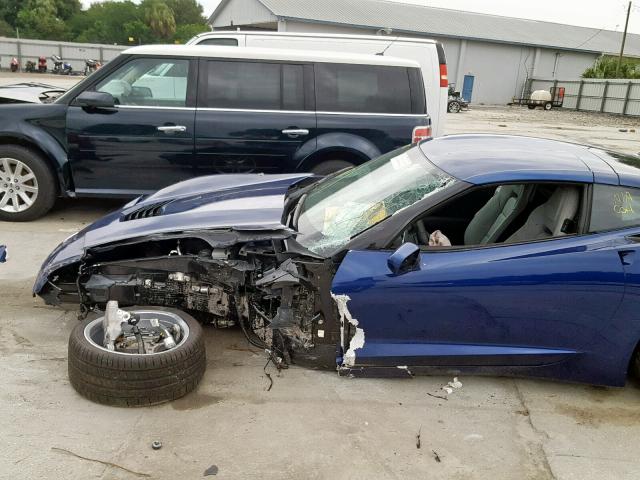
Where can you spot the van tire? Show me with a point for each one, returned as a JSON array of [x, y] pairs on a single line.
[[135, 380], [46, 183], [548, 106], [330, 166]]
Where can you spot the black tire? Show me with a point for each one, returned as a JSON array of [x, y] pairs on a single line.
[[132, 380], [47, 184], [330, 166], [548, 106], [454, 107], [531, 107]]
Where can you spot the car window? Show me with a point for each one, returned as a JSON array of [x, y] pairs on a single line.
[[254, 85], [614, 207], [362, 88], [224, 42], [499, 214], [149, 82]]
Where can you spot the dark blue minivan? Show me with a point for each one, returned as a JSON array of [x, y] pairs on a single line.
[[160, 114]]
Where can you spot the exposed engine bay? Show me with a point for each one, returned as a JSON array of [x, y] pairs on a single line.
[[224, 278]]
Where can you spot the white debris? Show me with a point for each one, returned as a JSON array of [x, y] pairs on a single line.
[[473, 436], [358, 339], [451, 386]]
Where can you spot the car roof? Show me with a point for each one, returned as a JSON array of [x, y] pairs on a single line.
[[269, 54], [482, 159], [353, 36]]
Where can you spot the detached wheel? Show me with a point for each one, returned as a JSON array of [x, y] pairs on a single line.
[[454, 107], [27, 186], [330, 166], [548, 106], [127, 379], [531, 107]]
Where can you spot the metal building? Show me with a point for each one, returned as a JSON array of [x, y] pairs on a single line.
[[489, 56]]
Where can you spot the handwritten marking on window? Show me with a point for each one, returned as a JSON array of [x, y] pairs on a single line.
[[622, 203]]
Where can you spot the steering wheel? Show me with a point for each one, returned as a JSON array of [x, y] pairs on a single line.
[[423, 235]]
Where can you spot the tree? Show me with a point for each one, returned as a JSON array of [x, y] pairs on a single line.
[[6, 30], [186, 12], [67, 8], [9, 11], [186, 32], [159, 17], [605, 67], [39, 19]]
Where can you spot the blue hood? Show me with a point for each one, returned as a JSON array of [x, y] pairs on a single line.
[[238, 202]]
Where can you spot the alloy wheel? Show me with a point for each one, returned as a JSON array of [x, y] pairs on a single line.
[[18, 186]]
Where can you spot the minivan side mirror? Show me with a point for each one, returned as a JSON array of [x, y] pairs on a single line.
[[405, 259], [95, 100]]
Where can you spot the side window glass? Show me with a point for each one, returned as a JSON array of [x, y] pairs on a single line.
[[614, 207], [224, 42], [292, 87], [362, 88], [156, 82], [248, 85]]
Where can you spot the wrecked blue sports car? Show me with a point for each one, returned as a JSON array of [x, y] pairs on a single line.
[[485, 254]]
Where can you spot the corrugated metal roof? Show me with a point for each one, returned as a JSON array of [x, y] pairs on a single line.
[[407, 18]]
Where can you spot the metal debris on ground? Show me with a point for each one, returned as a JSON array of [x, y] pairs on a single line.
[[436, 456], [156, 444], [418, 438], [212, 470], [437, 396]]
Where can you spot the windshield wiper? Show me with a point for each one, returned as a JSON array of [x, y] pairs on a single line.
[[296, 211]]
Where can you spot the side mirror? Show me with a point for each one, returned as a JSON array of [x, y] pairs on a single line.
[[95, 100], [405, 259]]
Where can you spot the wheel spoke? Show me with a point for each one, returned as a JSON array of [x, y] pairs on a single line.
[[28, 188], [25, 198], [5, 166], [26, 178], [16, 202], [4, 200]]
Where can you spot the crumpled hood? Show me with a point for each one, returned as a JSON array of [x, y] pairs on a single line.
[[239, 202]]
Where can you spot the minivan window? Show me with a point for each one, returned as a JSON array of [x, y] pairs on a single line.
[[149, 82], [223, 42], [362, 88], [254, 85]]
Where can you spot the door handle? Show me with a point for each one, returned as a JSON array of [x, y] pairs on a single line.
[[295, 132], [171, 129]]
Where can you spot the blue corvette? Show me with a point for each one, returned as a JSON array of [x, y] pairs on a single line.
[[479, 254]]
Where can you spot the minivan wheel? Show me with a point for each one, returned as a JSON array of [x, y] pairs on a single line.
[[126, 379], [453, 107], [330, 166], [27, 186]]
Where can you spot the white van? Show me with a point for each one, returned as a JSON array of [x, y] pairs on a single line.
[[428, 53]]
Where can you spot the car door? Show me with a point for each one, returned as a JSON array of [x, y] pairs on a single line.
[[147, 140], [253, 116], [500, 305]]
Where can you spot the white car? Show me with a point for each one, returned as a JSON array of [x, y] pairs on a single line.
[[29, 92]]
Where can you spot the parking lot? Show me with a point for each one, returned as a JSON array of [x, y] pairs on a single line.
[[309, 424]]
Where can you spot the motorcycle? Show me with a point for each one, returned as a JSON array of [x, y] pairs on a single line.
[[30, 66], [42, 65], [14, 64], [61, 67], [455, 102], [91, 66]]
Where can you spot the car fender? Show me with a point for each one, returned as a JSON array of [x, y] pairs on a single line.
[[43, 133], [336, 141]]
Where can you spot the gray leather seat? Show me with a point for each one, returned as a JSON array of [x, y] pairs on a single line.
[[491, 220], [546, 221]]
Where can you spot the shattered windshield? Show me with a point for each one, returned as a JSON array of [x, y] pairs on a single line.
[[342, 207]]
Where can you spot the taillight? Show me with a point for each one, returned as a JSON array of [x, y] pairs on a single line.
[[444, 79], [420, 133]]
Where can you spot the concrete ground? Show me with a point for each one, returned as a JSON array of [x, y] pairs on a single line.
[[310, 425]]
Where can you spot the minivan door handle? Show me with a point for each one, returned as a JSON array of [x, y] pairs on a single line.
[[295, 132], [171, 129]]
